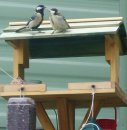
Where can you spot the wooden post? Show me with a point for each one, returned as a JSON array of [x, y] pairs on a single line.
[[112, 52], [21, 57], [71, 113], [63, 116]]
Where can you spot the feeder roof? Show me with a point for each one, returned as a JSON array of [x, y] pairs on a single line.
[[85, 38]]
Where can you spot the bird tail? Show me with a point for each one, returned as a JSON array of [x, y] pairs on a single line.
[[20, 29], [69, 26]]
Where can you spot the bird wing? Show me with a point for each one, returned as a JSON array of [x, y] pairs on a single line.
[[63, 21], [35, 21], [32, 18], [66, 22], [52, 23], [58, 22]]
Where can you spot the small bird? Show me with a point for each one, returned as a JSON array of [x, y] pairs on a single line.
[[35, 21], [58, 21]]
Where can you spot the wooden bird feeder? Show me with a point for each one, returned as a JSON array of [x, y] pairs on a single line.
[[87, 37]]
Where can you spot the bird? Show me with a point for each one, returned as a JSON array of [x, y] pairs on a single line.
[[35, 21], [58, 21]]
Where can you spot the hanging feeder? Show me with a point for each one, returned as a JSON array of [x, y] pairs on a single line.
[[21, 114]]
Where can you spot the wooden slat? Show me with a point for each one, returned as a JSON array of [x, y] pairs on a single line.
[[73, 20], [69, 33], [70, 92], [71, 113], [62, 106], [72, 25], [43, 117], [88, 85], [108, 95], [27, 88], [96, 19], [22, 23]]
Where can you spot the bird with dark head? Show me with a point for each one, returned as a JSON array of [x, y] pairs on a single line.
[[40, 9], [35, 21], [58, 21], [54, 11]]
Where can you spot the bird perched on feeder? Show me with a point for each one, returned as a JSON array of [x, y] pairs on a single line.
[[35, 21], [58, 21]]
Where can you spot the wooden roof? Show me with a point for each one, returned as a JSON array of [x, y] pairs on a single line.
[[85, 38]]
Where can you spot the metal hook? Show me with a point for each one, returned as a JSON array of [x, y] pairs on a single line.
[[21, 91]]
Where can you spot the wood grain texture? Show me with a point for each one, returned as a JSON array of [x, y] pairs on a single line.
[[63, 114], [110, 96], [27, 88], [21, 57], [43, 117], [88, 85], [72, 20], [71, 113], [112, 50], [97, 108]]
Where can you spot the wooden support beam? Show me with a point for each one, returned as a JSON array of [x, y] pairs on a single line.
[[18, 71], [108, 48], [21, 57], [13, 43], [112, 52], [23, 52], [71, 113], [43, 117], [63, 117], [97, 108], [115, 66]]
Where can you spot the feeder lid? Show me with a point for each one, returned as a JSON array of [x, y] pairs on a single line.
[[21, 100], [91, 125], [85, 38]]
